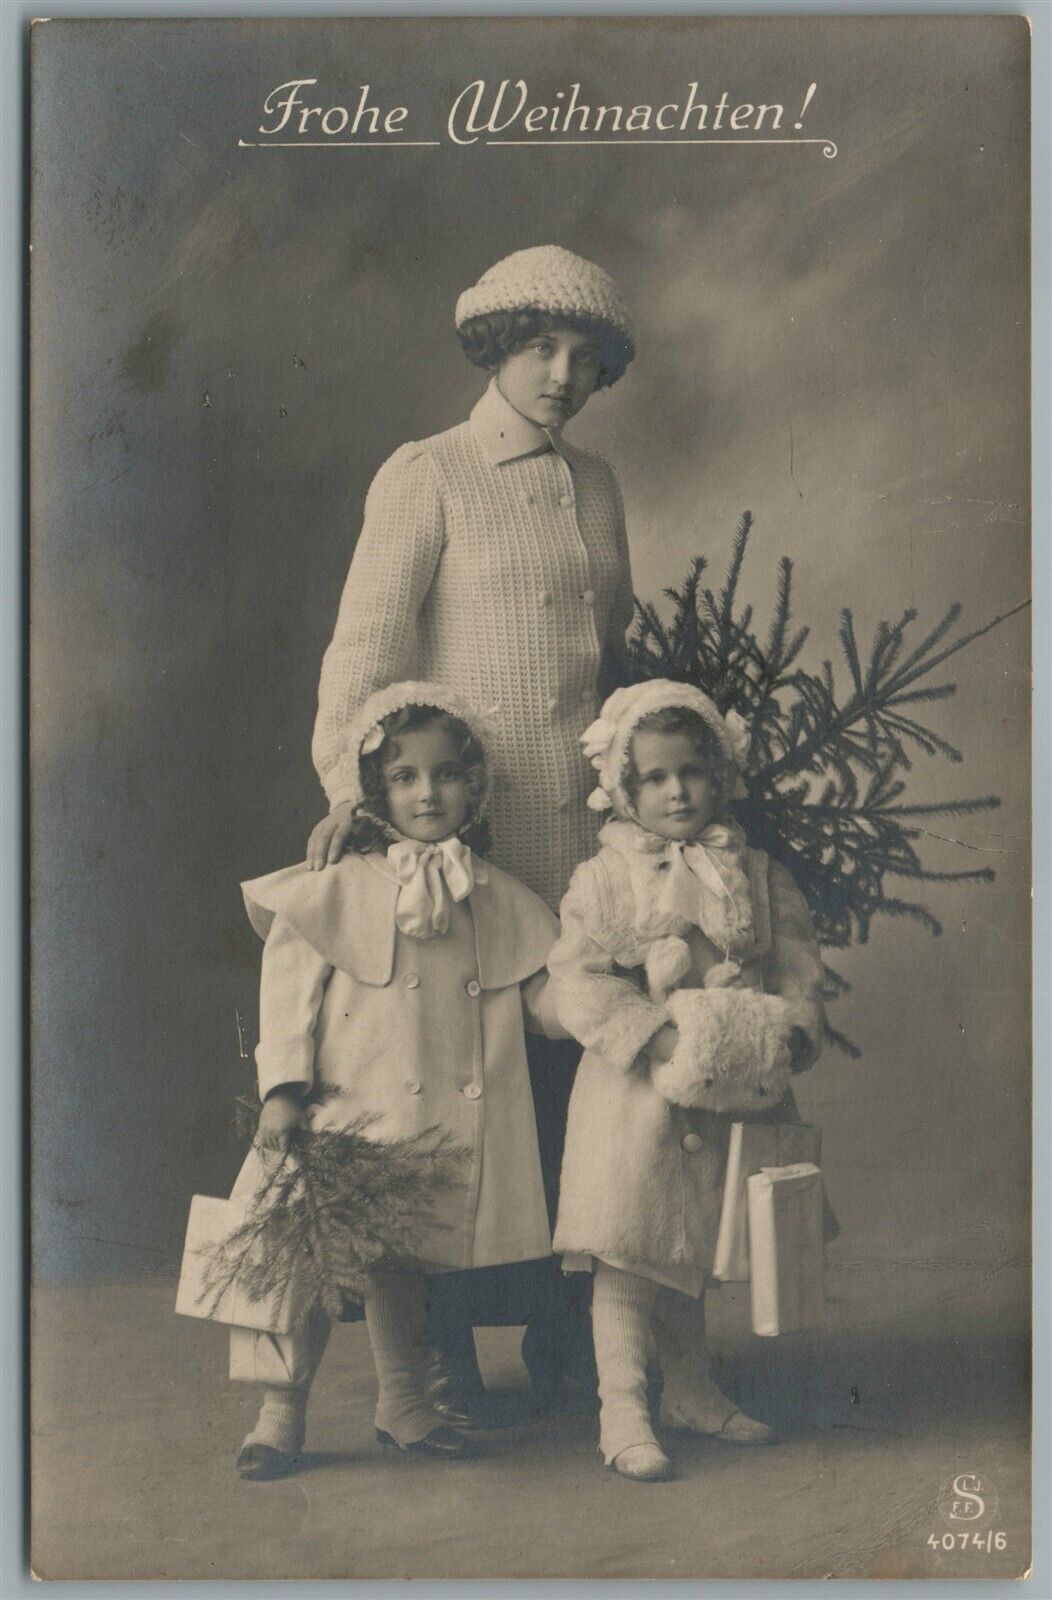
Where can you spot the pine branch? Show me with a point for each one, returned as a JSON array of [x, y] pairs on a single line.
[[333, 1207]]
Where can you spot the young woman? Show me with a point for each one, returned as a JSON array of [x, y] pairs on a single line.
[[493, 557]]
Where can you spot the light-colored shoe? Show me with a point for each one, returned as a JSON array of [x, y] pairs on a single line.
[[734, 1428], [644, 1463]]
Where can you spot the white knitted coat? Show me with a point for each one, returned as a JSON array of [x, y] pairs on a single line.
[[494, 563], [642, 1180]]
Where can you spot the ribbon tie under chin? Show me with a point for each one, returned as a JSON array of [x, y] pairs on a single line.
[[706, 885], [431, 876]]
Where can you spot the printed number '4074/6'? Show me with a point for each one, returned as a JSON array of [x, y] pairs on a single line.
[[969, 1541]]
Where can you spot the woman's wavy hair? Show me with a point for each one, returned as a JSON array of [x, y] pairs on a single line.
[[680, 719], [370, 824], [487, 339]]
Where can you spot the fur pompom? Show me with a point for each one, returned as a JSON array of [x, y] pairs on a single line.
[[733, 1052], [667, 961]]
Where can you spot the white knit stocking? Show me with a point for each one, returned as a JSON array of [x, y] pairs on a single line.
[[689, 1393], [282, 1419], [622, 1305], [394, 1315]]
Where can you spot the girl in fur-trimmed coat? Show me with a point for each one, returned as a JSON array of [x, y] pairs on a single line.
[[674, 899]]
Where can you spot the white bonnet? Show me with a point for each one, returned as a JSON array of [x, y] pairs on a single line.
[[607, 742], [548, 278], [363, 733]]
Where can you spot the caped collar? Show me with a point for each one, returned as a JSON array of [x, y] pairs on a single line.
[[506, 435], [347, 913]]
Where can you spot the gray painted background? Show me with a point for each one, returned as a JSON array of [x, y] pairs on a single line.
[[227, 344]]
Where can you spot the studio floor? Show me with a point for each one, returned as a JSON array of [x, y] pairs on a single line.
[[920, 1375]]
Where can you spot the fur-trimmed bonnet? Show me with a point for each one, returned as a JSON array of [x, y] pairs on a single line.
[[364, 733], [607, 742]]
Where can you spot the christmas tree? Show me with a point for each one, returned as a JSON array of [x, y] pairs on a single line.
[[829, 770]]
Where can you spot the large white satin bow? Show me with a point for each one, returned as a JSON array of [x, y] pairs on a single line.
[[431, 875], [707, 885]]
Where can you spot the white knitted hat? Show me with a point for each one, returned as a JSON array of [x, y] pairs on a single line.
[[548, 278], [363, 733], [607, 742]]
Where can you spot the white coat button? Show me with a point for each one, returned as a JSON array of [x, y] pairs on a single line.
[[411, 980], [589, 597], [566, 501], [473, 1091], [473, 987], [544, 596], [412, 1086], [691, 1143]]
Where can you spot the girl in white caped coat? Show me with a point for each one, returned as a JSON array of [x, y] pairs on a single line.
[[404, 977], [672, 896]]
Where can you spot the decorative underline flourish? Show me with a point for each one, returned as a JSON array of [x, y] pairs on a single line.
[[829, 149], [339, 144]]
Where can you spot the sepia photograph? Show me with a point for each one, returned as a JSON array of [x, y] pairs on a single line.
[[529, 798]]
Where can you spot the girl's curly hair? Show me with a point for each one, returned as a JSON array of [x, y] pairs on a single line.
[[680, 719], [370, 823], [486, 340]]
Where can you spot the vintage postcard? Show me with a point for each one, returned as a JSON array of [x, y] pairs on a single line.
[[530, 565]]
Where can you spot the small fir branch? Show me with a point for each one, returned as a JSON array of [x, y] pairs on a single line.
[[332, 1208]]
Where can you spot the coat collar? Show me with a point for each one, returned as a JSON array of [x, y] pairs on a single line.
[[506, 435], [629, 840], [347, 913]]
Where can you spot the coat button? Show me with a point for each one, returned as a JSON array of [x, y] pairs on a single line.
[[411, 980], [412, 1086], [473, 987], [691, 1143], [544, 596], [566, 501], [553, 703], [589, 597], [473, 1091]]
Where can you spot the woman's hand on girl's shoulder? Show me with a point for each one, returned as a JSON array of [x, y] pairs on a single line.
[[328, 839], [281, 1115]]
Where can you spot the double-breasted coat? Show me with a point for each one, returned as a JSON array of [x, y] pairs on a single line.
[[418, 1033], [493, 559], [642, 1179]]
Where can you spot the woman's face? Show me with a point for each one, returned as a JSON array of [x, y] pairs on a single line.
[[677, 793], [428, 791], [549, 378]]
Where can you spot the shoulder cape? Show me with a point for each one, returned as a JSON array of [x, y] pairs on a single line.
[[347, 913]]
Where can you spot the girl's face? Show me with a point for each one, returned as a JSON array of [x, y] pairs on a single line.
[[677, 793], [549, 378], [427, 788]]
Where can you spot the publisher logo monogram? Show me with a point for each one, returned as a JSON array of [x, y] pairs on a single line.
[[968, 1499]]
